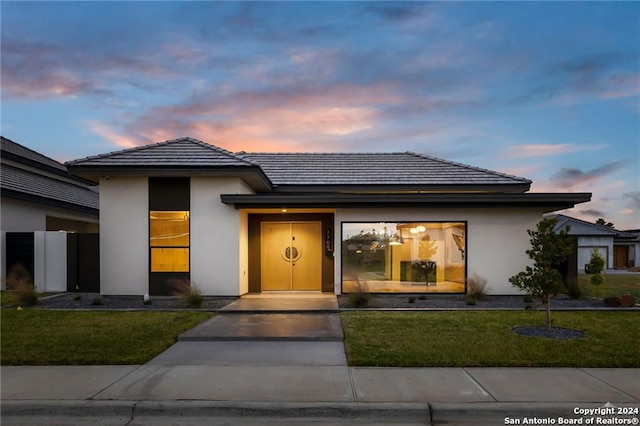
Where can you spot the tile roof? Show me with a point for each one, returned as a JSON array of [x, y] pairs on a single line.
[[405, 168], [20, 183], [311, 171], [183, 152], [585, 229], [18, 152]]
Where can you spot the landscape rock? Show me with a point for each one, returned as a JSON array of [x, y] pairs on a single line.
[[624, 301]]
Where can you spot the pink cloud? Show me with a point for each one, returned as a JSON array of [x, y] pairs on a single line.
[[112, 136], [541, 150], [622, 86], [545, 150], [277, 120]]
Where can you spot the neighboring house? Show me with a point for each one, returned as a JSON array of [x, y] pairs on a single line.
[[626, 249], [620, 249], [41, 203], [183, 211]]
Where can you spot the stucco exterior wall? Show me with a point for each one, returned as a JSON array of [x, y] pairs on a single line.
[[124, 235], [24, 216], [496, 238], [20, 216], [218, 237]]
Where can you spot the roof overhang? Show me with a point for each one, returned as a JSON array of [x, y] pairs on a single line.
[[548, 202], [252, 175], [32, 198]]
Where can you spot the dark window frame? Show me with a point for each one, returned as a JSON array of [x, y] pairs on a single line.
[[466, 248]]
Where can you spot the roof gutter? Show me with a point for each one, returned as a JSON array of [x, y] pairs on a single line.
[[548, 201]]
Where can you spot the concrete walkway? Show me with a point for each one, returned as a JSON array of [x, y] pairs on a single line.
[[233, 370]]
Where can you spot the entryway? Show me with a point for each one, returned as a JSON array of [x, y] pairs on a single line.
[[291, 256], [620, 256], [284, 302]]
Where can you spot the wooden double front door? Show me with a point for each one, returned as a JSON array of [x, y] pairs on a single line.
[[291, 256]]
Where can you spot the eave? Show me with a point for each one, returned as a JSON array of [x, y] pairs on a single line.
[[49, 202], [547, 201], [253, 176]]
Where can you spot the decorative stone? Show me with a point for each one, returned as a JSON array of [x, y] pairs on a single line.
[[624, 301]]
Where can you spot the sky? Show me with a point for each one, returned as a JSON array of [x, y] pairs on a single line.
[[549, 91]]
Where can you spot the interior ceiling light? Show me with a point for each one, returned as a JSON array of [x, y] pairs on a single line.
[[421, 228]]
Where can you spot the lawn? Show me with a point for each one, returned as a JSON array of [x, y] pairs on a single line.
[[8, 297], [39, 337], [614, 285], [484, 338]]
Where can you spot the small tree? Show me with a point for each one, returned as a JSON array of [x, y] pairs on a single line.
[[548, 250], [596, 267]]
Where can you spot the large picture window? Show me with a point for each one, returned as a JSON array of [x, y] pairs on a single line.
[[404, 257], [169, 241]]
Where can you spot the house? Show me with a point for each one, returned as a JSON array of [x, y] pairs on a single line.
[[41, 204], [626, 249], [232, 223], [620, 249]]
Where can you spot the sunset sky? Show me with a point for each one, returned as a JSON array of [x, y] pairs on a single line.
[[545, 90]]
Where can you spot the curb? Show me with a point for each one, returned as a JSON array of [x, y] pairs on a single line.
[[498, 413], [388, 412], [385, 411]]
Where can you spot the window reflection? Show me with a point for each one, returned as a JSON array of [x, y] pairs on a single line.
[[169, 241], [404, 257]]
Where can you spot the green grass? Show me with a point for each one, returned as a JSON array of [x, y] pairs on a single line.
[[614, 285], [484, 338], [9, 297], [39, 337]]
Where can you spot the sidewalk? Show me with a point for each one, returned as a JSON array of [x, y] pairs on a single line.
[[458, 395]]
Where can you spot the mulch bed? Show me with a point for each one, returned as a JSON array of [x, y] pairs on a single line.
[[89, 301], [445, 301], [559, 333], [380, 301]]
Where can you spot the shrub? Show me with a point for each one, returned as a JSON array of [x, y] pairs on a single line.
[[361, 298], [527, 298], [189, 293], [422, 297], [18, 276], [596, 262], [26, 294], [411, 299], [76, 297], [97, 301], [470, 300], [476, 287], [573, 290]]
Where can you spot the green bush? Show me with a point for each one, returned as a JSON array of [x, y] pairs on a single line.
[[596, 263], [26, 294]]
